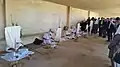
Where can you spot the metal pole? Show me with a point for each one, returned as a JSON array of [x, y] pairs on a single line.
[[89, 13]]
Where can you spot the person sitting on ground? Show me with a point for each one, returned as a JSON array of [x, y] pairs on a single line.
[[72, 31], [66, 33], [48, 39]]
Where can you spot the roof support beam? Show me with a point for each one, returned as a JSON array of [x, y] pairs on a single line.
[[68, 16]]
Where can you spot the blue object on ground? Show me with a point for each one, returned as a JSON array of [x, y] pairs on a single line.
[[15, 56]]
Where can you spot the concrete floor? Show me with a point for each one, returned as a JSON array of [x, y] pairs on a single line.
[[91, 52]]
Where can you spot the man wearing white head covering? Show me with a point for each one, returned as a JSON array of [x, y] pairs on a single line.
[[114, 46], [58, 34], [48, 40], [78, 29]]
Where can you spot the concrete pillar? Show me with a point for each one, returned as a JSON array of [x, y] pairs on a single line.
[[4, 12], [88, 13], [68, 16]]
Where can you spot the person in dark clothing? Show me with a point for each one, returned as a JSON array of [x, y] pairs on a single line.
[[83, 26], [110, 30], [114, 46], [88, 22], [117, 22], [101, 27], [95, 26], [105, 25]]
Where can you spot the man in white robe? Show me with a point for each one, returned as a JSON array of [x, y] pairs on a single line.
[[91, 26], [58, 34], [78, 30]]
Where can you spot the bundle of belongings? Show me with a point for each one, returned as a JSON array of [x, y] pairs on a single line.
[[15, 48]]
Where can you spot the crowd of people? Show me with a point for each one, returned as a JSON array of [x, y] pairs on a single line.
[[105, 27], [110, 28], [102, 27], [98, 27]]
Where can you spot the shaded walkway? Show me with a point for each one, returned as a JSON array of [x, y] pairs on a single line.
[[89, 52]]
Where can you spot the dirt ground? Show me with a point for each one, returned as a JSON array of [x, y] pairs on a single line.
[[91, 52]]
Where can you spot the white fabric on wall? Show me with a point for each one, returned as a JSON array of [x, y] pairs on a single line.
[[12, 36]]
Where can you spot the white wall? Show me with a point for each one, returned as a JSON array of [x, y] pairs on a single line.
[[77, 15], [35, 15], [94, 14]]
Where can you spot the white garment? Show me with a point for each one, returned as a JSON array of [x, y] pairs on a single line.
[[97, 21], [58, 34], [12, 36], [78, 28], [118, 30], [91, 26], [87, 27], [72, 33], [47, 38], [116, 64]]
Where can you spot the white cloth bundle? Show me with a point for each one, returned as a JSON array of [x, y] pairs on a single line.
[[12, 36]]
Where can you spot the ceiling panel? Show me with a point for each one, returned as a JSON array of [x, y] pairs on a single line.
[[89, 4]]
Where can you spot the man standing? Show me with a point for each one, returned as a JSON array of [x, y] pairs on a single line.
[[91, 25], [101, 27], [88, 22], [110, 30], [95, 26]]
